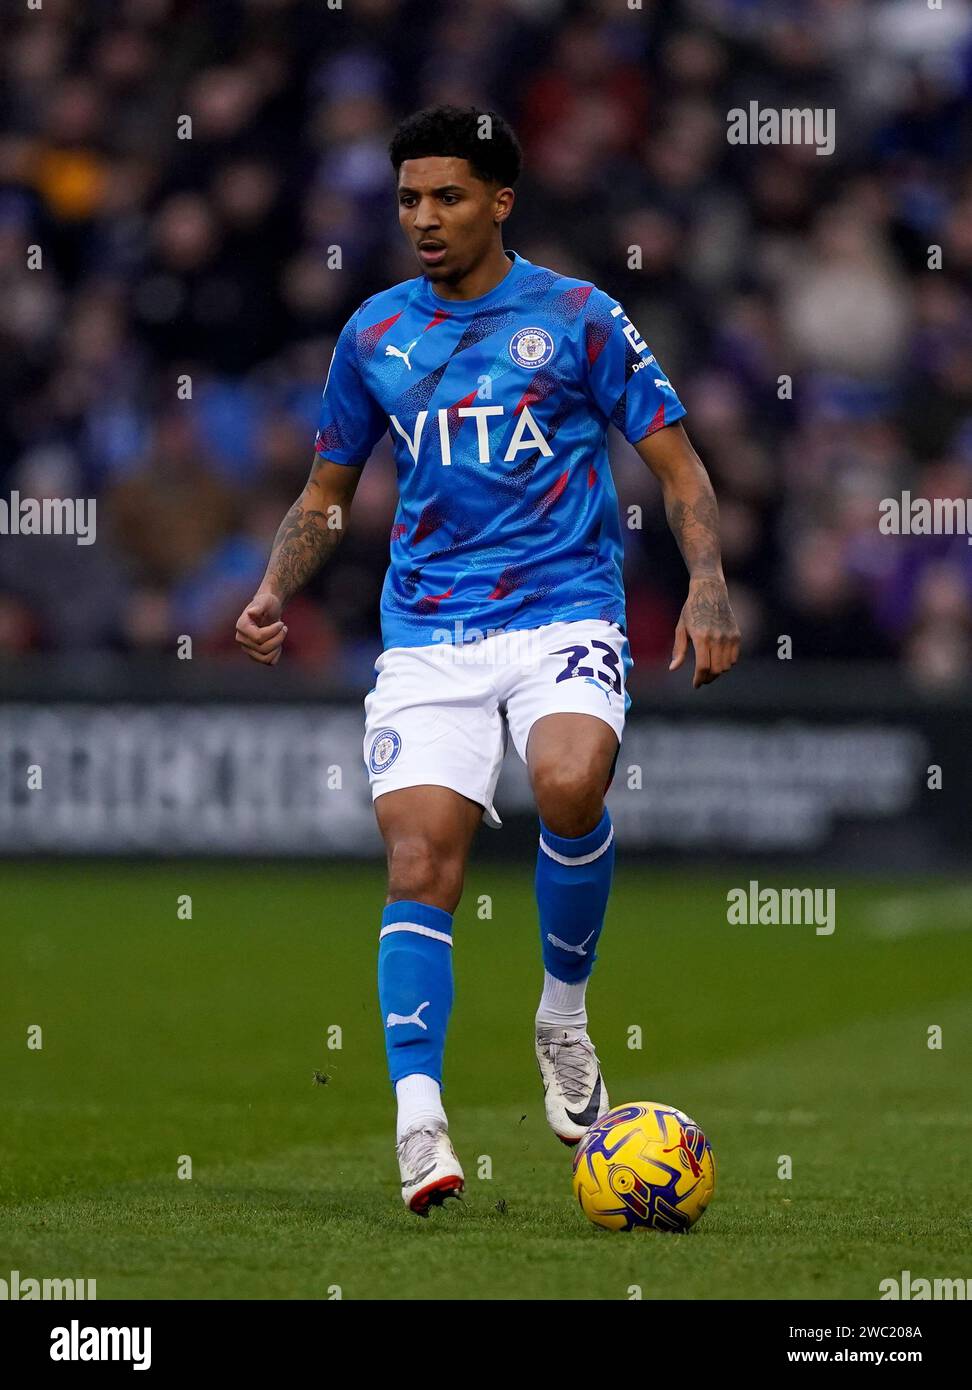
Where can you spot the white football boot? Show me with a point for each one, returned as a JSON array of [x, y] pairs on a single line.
[[573, 1088], [429, 1167]]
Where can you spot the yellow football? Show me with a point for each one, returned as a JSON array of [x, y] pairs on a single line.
[[644, 1165]]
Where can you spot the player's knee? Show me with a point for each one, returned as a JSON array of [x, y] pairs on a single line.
[[570, 798], [419, 870]]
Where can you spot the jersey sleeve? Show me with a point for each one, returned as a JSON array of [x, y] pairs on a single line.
[[625, 379], [351, 421]]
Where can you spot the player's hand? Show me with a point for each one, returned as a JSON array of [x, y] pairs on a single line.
[[259, 629], [708, 621]]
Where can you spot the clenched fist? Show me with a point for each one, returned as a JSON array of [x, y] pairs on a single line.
[[259, 629]]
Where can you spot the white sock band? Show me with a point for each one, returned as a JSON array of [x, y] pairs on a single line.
[[419, 1099], [562, 1004]]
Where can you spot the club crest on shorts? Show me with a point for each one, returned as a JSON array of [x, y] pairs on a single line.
[[531, 347], [385, 748]]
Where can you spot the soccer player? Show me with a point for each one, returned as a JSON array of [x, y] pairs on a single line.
[[503, 605]]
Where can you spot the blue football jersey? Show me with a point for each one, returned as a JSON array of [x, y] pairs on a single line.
[[498, 410]]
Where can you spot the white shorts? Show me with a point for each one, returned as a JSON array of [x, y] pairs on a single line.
[[441, 715]]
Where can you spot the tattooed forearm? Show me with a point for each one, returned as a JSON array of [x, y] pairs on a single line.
[[303, 543], [706, 619], [695, 526]]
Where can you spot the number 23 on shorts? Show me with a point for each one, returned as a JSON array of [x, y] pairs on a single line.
[[601, 652]]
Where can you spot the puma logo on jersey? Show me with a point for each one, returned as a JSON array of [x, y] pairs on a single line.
[[526, 434], [393, 1020], [391, 351]]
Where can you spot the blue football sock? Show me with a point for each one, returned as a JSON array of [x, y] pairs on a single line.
[[573, 882], [415, 987]]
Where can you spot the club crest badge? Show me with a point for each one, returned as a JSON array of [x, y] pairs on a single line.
[[531, 347], [385, 748]]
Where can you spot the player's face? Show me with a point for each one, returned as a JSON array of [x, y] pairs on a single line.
[[448, 214]]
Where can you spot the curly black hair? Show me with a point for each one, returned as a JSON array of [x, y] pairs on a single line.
[[491, 147]]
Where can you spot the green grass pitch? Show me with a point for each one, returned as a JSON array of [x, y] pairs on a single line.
[[164, 1038]]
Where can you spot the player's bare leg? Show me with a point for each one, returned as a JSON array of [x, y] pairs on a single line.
[[570, 759], [428, 832]]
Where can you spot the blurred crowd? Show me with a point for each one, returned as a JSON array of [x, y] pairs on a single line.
[[824, 352]]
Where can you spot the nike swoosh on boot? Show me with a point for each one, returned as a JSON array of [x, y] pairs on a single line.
[[588, 1115]]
